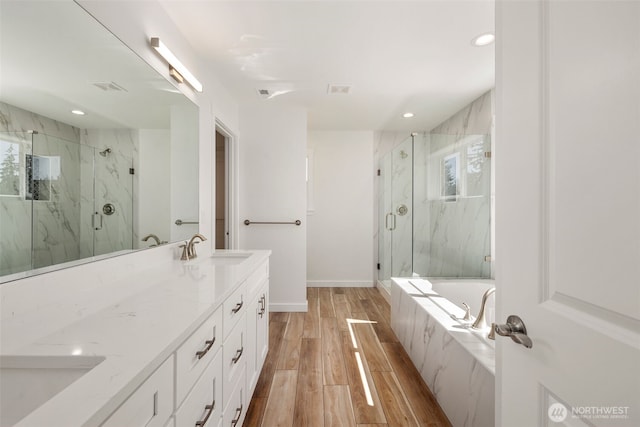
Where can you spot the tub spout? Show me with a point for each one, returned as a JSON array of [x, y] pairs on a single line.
[[481, 321]]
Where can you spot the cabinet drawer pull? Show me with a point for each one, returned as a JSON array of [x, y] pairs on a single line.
[[238, 355], [204, 351], [237, 418], [209, 409], [237, 307]]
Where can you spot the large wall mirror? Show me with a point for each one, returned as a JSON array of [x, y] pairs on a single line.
[[98, 152]]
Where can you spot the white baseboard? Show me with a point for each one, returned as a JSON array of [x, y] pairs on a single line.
[[384, 291], [340, 284], [286, 308]]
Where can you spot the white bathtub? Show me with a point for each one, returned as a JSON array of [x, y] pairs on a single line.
[[457, 363]]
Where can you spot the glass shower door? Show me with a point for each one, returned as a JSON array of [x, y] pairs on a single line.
[[396, 213], [113, 202]]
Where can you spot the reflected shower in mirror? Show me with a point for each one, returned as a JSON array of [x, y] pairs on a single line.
[[97, 150]]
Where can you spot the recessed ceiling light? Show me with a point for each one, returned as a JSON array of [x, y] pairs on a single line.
[[483, 39], [78, 112], [407, 115]]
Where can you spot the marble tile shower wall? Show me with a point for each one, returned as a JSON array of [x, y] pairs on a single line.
[[113, 184], [62, 229], [452, 236]]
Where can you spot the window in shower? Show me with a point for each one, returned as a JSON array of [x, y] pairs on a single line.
[[9, 168]]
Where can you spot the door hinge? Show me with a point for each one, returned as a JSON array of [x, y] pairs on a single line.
[[487, 154], [132, 171], [378, 266], [487, 258], [378, 172]]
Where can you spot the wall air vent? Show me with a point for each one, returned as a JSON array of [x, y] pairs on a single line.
[[338, 89], [110, 87]]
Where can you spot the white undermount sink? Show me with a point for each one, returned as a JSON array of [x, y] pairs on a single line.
[[27, 382], [229, 258]]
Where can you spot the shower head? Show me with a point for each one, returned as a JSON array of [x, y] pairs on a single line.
[[104, 152]]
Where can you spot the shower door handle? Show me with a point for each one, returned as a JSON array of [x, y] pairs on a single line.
[[96, 221], [386, 221]]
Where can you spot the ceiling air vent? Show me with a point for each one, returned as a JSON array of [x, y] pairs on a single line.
[[110, 87], [264, 93], [338, 89]]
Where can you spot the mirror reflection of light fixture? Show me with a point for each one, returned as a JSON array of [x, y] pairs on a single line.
[[178, 71]]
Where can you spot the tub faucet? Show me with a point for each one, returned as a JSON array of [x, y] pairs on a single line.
[[481, 321], [191, 246]]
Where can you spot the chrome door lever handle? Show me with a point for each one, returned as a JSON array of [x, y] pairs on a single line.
[[515, 329]]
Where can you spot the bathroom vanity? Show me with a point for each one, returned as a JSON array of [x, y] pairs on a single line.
[[171, 343]]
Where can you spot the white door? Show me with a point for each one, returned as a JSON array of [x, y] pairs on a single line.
[[568, 211]]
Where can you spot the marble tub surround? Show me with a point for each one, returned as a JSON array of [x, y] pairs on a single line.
[[134, 316], [457, 364]]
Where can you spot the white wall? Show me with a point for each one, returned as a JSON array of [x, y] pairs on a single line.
[[273, 188], [339, 231], [154, 208]]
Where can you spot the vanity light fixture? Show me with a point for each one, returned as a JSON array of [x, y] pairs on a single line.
[[78, 112], [178, 71], [483, 39], [407, 115]]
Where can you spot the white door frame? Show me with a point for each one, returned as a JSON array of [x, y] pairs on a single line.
[[231, 182]]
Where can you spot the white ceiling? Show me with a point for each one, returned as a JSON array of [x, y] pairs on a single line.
[[397, 56], [53, 53]]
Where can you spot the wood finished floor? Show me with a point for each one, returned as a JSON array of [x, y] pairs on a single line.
[[312, 374]]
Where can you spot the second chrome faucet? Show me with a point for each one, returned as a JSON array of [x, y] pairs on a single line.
[[189, 248]]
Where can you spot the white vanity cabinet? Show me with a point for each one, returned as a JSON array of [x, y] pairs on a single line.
[[209, 379]]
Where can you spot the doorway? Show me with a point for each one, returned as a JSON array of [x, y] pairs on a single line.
[[221, 211], [225, 201]]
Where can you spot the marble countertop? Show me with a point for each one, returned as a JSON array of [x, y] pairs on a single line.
[[149, 313]]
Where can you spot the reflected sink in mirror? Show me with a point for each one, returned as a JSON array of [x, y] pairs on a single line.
[[229, 258], [27, 382]]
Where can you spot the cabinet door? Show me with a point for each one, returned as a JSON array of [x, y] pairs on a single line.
[[234, 308], [262, 335], [257, 335], [203, 405], [151, 404], [195, 354], [250, 346], [234, 358], [236, 408]]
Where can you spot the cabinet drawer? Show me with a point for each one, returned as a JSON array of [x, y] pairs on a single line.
[[196, 352], [234, 356], [204, 402], [234, 308], [151, 405], [236, 407], [257, 278]]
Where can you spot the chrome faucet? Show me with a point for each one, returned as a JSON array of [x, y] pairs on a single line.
[[154, 237], [481, 321], [191, 246]]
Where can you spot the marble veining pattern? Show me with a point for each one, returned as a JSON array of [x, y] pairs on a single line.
[[61, 225], [457, 365]]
